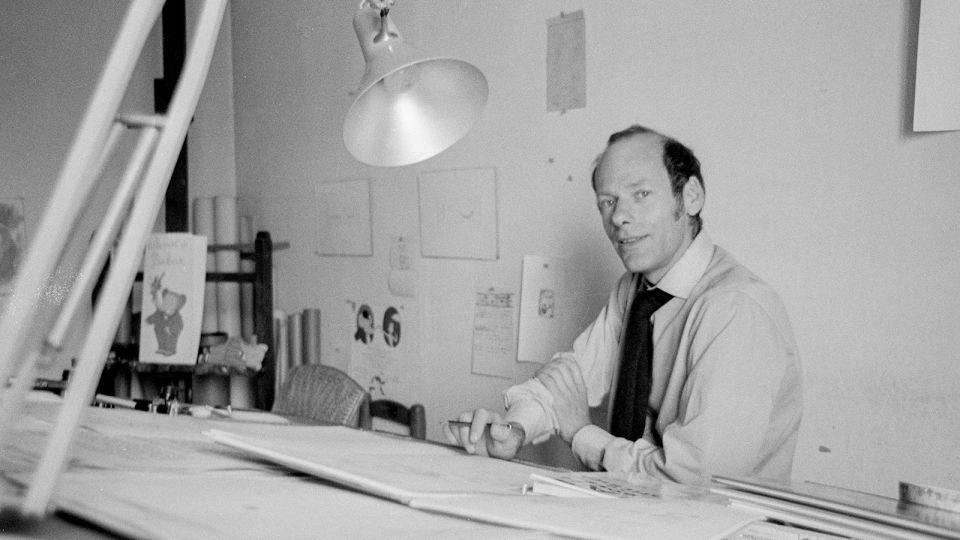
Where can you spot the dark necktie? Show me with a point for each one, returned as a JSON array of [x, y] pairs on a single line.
[[633, 383]]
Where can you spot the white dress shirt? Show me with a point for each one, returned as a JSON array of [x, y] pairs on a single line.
[[726, 377]]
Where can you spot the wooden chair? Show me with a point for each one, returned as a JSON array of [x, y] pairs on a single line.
[[321, 393], [414, 416]]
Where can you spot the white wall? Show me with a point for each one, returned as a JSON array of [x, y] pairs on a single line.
[[800, 114]]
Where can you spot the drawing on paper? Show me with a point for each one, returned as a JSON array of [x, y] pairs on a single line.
[[546, 303], [345, 218], [365, 324], [166, 319], [376, 349], [391, 327]]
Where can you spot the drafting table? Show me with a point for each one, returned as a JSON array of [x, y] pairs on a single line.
[[153, 480], [144, 475]]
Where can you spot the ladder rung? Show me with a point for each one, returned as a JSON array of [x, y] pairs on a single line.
[[142, 120]]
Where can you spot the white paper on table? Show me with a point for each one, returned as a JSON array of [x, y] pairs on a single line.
[[416, 469], [599, 517]]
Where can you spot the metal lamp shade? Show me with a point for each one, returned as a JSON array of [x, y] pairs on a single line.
[[408, 109]]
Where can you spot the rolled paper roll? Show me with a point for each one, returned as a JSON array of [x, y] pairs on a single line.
[[281, 355], [203, 225], [295, 340], [310, 328], [211, 390], [246, 289], [241, 391], [227, 231]]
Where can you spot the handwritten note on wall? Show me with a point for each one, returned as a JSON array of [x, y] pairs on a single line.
[[493, 350]]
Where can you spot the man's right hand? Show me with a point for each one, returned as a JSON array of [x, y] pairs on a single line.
[[500, 440]]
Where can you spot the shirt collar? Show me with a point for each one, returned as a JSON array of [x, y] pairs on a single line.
[[687, 271]]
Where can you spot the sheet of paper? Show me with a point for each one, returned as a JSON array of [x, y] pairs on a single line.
[[270, 504], [493, 350], [618, 484], [378, 349], [937, 95], [402, 280], [599, 518], [400, 476], [458, 214], [566, 62], [546, 323], [345, 218]]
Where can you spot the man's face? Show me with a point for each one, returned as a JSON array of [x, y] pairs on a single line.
[[648, 227]]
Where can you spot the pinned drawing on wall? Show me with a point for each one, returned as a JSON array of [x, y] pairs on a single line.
[[377, 348], [566, 62], [936, 105], [458, 214], [546, 320], [402, 280], [11, 243], [493, 351], [345, 218]]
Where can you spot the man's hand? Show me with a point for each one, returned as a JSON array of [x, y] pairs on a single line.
[[563, 379], [500, 440]]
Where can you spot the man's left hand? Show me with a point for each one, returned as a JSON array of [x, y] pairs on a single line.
[[563, 379]]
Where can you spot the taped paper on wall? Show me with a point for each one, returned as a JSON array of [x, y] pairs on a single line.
[[546, 318], [377, 348], [493, 332]]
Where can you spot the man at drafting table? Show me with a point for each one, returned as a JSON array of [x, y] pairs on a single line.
[[718, 389]]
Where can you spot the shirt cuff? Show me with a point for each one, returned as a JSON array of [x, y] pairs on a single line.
[[529, 414], [588, 445]]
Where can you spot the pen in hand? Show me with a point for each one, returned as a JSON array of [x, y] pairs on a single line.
[[463, 423]]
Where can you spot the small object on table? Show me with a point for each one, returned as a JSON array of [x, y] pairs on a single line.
[[933, 496]]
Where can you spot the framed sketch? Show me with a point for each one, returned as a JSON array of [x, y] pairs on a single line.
[[345, 218], [458, 214]]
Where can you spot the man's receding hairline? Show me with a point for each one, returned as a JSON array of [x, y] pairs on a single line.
[[626, 138]]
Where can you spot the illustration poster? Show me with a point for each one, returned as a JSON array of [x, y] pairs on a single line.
[[377, 348], [174, 271]]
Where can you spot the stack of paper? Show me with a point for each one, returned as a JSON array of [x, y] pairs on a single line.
[[445, 480]]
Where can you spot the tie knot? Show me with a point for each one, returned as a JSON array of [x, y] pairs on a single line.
[[650, 300]]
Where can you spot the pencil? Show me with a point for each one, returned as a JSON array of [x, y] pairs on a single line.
[[463, 423]]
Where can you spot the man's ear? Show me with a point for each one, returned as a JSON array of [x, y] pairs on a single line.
[[693, 196]]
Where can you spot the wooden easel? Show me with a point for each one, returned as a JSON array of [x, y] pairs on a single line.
[[127, 222]]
